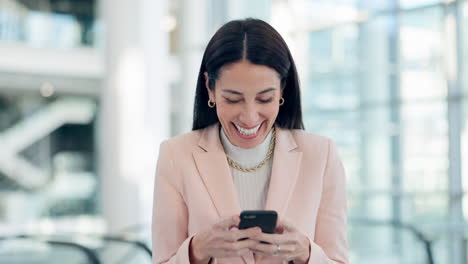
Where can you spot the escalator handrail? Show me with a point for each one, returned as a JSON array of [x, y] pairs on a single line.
[[89, 253], [405, 226], [136, 243]]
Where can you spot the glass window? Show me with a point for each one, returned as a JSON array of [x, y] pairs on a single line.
[[41, 25], [422, 75], [334, 50], [427, 211], [377, 148], [337, 91], [464, 158], [464, 125], [378, 88], [424, 146], [373, 242], [368, 205], [417, 3], [237, 9], [376, 5], [377, 60], [464, 44]]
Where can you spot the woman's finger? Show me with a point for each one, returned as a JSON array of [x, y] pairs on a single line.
[[227, 223], [269, 238], [273, 249], [242, 244], [266, 249], [279, 229], [286, 225], [235, 253], [235, 248], [288, 238], [236, 235]]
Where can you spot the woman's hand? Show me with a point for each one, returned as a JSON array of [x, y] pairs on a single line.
[[288, 243], [222, 241]]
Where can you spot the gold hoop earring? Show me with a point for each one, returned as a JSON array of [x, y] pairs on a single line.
[[281, 102], [211, 104]]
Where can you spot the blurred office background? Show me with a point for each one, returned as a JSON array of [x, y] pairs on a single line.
[[89, 88]]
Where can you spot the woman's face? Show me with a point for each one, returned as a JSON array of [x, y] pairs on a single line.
[[247, 102]]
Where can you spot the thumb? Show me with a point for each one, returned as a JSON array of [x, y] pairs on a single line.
[[286, 225], [227, 223]]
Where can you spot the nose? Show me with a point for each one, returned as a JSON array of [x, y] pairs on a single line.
[[249, 115]]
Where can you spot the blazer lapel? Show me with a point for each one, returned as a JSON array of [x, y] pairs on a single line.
[[215, 173], [214, 170], [284, 173]]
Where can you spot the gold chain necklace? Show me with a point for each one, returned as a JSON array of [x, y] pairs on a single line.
[[271, 147]]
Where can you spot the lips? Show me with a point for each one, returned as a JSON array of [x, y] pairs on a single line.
[[247, 133]]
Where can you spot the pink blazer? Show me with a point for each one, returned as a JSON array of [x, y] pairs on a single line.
[[194, 190]]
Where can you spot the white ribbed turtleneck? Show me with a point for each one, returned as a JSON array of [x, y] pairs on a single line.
[[252, 187]]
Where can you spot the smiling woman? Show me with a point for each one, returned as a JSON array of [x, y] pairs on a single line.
[[247, 102], [248, 151], [255, 47]]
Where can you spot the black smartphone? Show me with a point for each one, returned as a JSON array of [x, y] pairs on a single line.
[[264, 219]]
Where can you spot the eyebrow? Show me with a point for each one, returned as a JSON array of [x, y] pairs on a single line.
[[239, 93]]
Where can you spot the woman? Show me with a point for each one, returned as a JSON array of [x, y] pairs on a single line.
[[248, 150]]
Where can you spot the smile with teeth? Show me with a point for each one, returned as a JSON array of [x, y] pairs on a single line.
[[247, 132]]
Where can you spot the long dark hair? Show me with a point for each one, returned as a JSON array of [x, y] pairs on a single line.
[[259, 43]]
